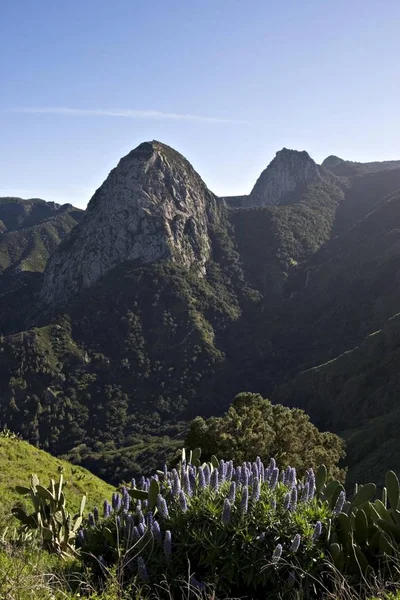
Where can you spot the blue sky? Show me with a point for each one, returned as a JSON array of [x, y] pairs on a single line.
[[225, 82]]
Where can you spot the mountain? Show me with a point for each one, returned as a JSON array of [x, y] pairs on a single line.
[[152, 206], [165, 301], [348, 168]]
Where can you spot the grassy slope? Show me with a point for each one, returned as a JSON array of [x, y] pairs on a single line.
[[18, 460]]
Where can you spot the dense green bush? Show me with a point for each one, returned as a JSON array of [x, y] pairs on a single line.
[[254, 427]]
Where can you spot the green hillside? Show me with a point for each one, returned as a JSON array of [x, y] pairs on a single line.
[[19, 460]]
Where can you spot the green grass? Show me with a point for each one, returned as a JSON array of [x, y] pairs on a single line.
[[19, 459]]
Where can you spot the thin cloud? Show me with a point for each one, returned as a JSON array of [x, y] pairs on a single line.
[[125, 113]]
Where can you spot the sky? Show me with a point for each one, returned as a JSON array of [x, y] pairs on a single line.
[[227, 83]]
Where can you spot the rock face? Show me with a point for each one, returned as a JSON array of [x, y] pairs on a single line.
[[288, 170], [152, 206]]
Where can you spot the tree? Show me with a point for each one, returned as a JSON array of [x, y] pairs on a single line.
[[253, 427]]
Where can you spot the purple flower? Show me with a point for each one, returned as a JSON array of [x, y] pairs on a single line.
[[295, 543], [96, 514], [142, 571], [282, 477], [207, 474], [133, 483], [277, 553], [139, 515], [165, 470], [202, 481], [167, 545], [244, 476], [156, 531], [274, 478], [293, 499], [135, 535], [232, 492], [222, 471], [176, 483], [126, 501], [254, 470], [90, 520], [182, 501], [229, 470], [142, 482], [226, 512], [81, 536], [238, 475], [286, 501], [244, 501], [214, 480], [255, 493], [141, 529], [116, 502], [186, 485], [305, 493], [106, 509], [292, 478], [162, 507], [192, 478], [150, 519], [317, 531], [340, 503]]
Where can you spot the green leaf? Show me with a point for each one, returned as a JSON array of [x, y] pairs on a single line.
[[364, 495], [138, 494], [77, 523], [393, 489], [320, 478], [44, 493], [21, 489], [214, 462], [154, 490], [34, 480], [82, 507]]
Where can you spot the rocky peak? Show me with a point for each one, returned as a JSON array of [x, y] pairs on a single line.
[[152, 206], [288, 169], [331, 161]]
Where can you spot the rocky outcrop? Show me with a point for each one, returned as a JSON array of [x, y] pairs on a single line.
[[284, 174], [152, 206]]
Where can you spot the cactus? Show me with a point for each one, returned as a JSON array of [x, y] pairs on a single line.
[[55, 526]]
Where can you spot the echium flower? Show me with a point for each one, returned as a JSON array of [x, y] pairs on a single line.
[[96, 514], [282, 477], [139, 515], [150, 519], [106, 509], [133, 482], [229, 470], [162, 507], [142, 571], [187, 488], [255, 492], [81, 536], [156, 531], [116, 501], [226, 511], [244, 501], [311, 482], [317, 531], [254, 470], [286, 501], [293, 499], [182, 501], [340, 503], [214, 480], [176, 483], [245, 476], [141, 529], [142, 481], [222, 471], [192, 478], [238, 475], [274, 478], [291, 477], [207, 475], [277, 553], [201, 479], [135, 535], [165, 471], [167, 545], [305, 492], [126, 501], [295, 543], [232, 493]]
